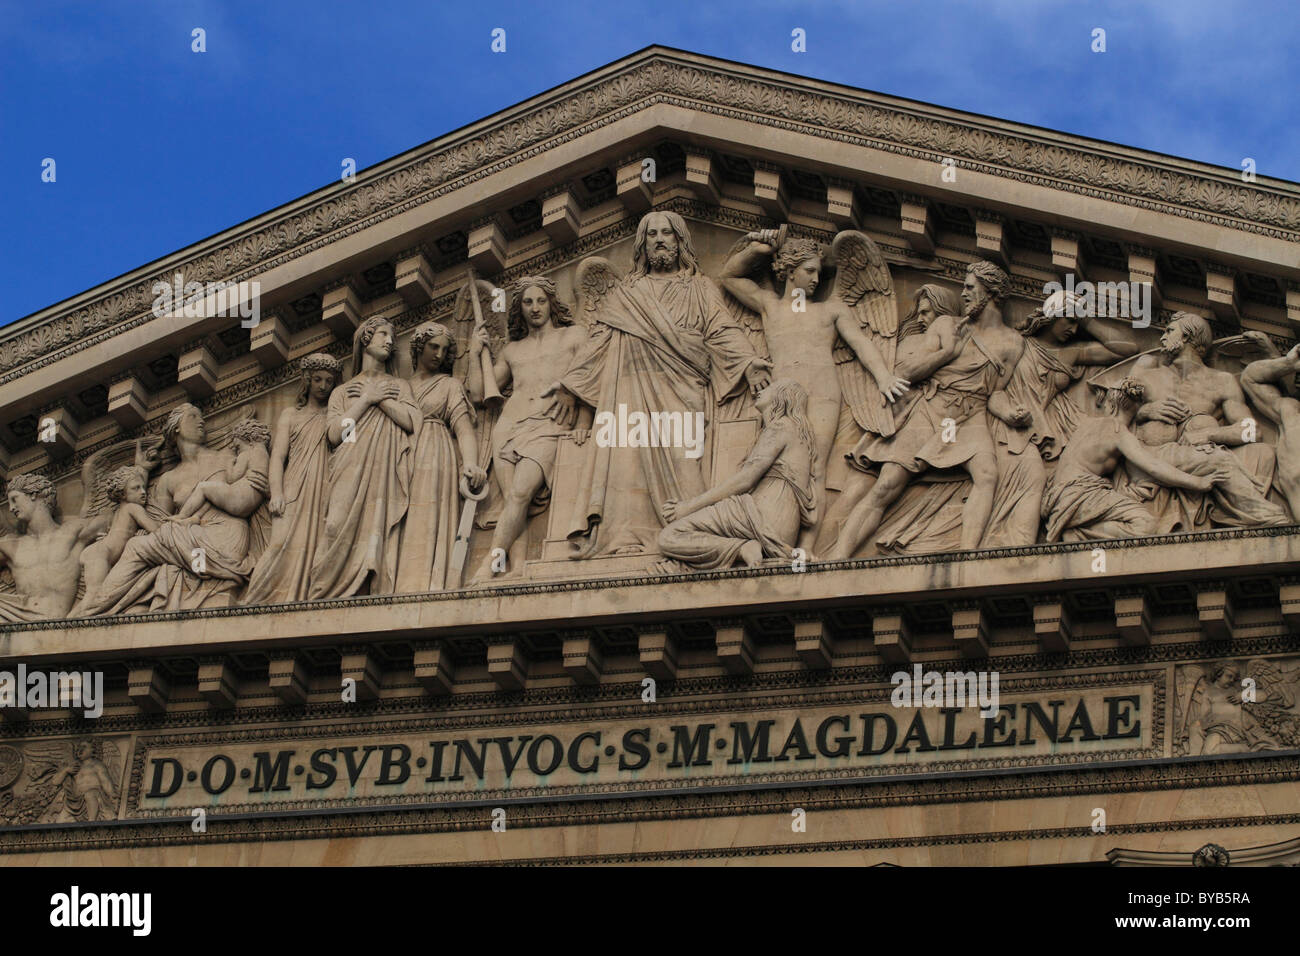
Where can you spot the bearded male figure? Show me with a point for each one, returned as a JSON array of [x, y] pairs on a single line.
[[1192, 416], [662, 342]]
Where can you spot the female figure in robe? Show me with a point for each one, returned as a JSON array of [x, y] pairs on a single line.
[[299, 466], [372, 421], [446, 450]]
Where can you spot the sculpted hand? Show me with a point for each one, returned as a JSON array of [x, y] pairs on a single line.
[[1171, 411], [1020, 417], [764, 240], [580, 436], [479, 341], [475, 476], [276, 506], [894, 388], [563, 409], [758, 375], [671, 508], [148, 455], [259, 482], [1217, 476], [390, 390]]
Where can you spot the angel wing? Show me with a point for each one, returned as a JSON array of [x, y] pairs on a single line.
[[864, 285], [111, 757], [750, 322], [596, 278], [1193, 705], [96, 469]]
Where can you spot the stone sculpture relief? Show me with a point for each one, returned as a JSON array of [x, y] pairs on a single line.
[[182, 564], [1234, 706], [61, 781], [525, 439], [946, 428], [945, 425], [662, 342], [758, 512], [446, 452], [840, 349], [299, 464], [373, 421]]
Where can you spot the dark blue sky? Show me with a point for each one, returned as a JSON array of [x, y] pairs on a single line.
[[157, 147]]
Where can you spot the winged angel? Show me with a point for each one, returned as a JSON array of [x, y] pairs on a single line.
[[62, 781], [1219, 716], [840, 347], [216, 492]]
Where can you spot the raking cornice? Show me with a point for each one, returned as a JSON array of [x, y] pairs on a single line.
[[650, 77]]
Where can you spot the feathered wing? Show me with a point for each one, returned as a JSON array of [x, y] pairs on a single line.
[[96, 469], [1193, 706], [112, 759], [865, 286], [741, 406]]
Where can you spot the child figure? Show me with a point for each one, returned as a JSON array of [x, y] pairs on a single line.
[[251, 448], [126, 488]]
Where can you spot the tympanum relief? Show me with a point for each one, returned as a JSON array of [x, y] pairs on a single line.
[[802, 404]]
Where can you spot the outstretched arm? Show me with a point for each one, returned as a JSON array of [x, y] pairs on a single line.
[[1133, 450], [770, 444], [891, 386], [952, 333], [1113, 342]]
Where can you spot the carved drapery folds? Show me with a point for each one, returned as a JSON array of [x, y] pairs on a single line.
[[793, 407]]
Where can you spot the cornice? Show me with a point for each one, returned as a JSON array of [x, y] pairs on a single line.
[[653, 77]]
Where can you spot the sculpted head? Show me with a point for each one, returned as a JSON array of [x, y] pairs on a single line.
[[1061, 323], [930, 302], [663, 244], [185, 423], [29, 494], [250, 432], [126, 484], [1124, 398], [534, 301], [433, 348], [1225, 674], [375, 337], [798, 262], [1186, 329], [320, 373], [985, 283]]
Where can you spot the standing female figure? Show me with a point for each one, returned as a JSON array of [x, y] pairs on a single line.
[[446, 449], [300, 456], [372, 421]]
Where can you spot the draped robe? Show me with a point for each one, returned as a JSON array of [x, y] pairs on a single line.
[[658, 345], [283, 572], [430, 529], [367, 494]]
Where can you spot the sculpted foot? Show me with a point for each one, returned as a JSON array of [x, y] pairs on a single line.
[[751, 554]]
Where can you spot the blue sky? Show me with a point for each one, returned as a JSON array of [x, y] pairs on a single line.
[[157, 146]]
